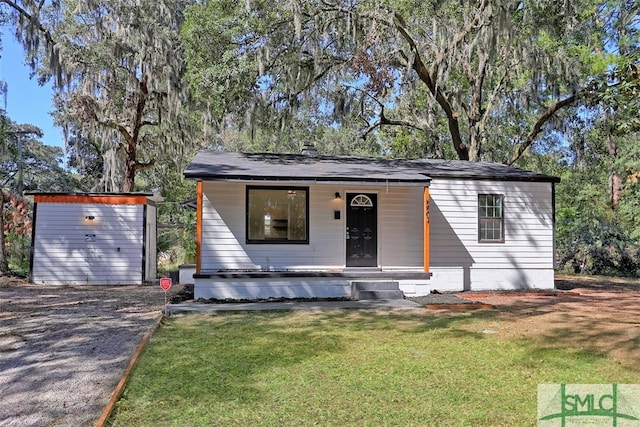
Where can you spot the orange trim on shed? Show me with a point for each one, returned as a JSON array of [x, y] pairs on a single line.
[[95, 199]]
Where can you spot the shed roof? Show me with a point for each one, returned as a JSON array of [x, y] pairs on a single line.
[[232, 166]]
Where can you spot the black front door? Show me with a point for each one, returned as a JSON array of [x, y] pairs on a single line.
[[362, 225]]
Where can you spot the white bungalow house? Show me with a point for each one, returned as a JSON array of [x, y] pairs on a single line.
[[284, 225]]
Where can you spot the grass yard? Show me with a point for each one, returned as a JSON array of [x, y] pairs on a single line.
[[349, 368]]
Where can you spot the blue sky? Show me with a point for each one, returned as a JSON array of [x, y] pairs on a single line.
[[27, 102]]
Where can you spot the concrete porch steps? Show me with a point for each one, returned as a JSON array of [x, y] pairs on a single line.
[[376, 290]]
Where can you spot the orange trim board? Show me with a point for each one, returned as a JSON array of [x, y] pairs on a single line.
[[127, 373], [426, 230], [199, 227], [105, 200]]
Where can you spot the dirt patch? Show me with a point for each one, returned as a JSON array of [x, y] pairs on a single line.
[[592, 313], [566, 282], [63, 349], [607, 322]]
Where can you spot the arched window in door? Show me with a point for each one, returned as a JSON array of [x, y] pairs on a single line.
[[362, 201]]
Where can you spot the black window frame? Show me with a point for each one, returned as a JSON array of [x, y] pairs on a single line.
[[485, 219], [275, 241]]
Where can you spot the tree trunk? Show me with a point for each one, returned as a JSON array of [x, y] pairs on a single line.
[[475, 142], [615, 182], [133, 139], [425, 76], [130, 172], [456, 139], [4, 266], [616, 188]]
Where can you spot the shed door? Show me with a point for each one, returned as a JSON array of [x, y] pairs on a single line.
[[362, 225]]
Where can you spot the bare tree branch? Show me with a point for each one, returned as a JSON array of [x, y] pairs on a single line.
[[382, 118], [537, 128], [425, 75]]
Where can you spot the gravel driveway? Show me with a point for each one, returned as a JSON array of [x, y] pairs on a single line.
[[64, 349]]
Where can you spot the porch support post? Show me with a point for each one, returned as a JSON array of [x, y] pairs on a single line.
[[426, 250], [198, 227]]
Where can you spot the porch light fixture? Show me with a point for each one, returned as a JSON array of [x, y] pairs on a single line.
[[338, 195], [90, 217]]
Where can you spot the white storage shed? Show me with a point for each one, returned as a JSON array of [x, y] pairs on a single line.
[[93, 239]]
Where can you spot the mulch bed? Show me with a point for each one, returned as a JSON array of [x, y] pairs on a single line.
[[448, 301], [469, 300]]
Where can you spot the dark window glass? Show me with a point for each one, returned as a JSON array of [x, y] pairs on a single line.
[[277, 215]]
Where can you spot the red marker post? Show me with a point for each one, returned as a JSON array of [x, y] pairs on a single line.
[[165, 284]]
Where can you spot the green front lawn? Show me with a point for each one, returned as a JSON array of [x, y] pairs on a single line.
[[348, 368]]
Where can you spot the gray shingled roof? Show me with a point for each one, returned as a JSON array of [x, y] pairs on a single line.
[[218, 165]]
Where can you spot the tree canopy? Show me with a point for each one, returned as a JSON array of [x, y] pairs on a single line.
[[117, 67], [487, 77], [550, 86], [25, 164]]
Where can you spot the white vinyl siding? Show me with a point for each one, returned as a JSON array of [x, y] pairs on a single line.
[[528, 249], [70, 250], [223, 223], [528, 225], [224, 234], [223, 230], [400, 219]]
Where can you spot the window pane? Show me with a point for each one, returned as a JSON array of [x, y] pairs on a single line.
[[277, 214], [490, 229]]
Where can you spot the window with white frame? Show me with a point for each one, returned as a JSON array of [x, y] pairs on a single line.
[[277, 214], [491, 218]]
